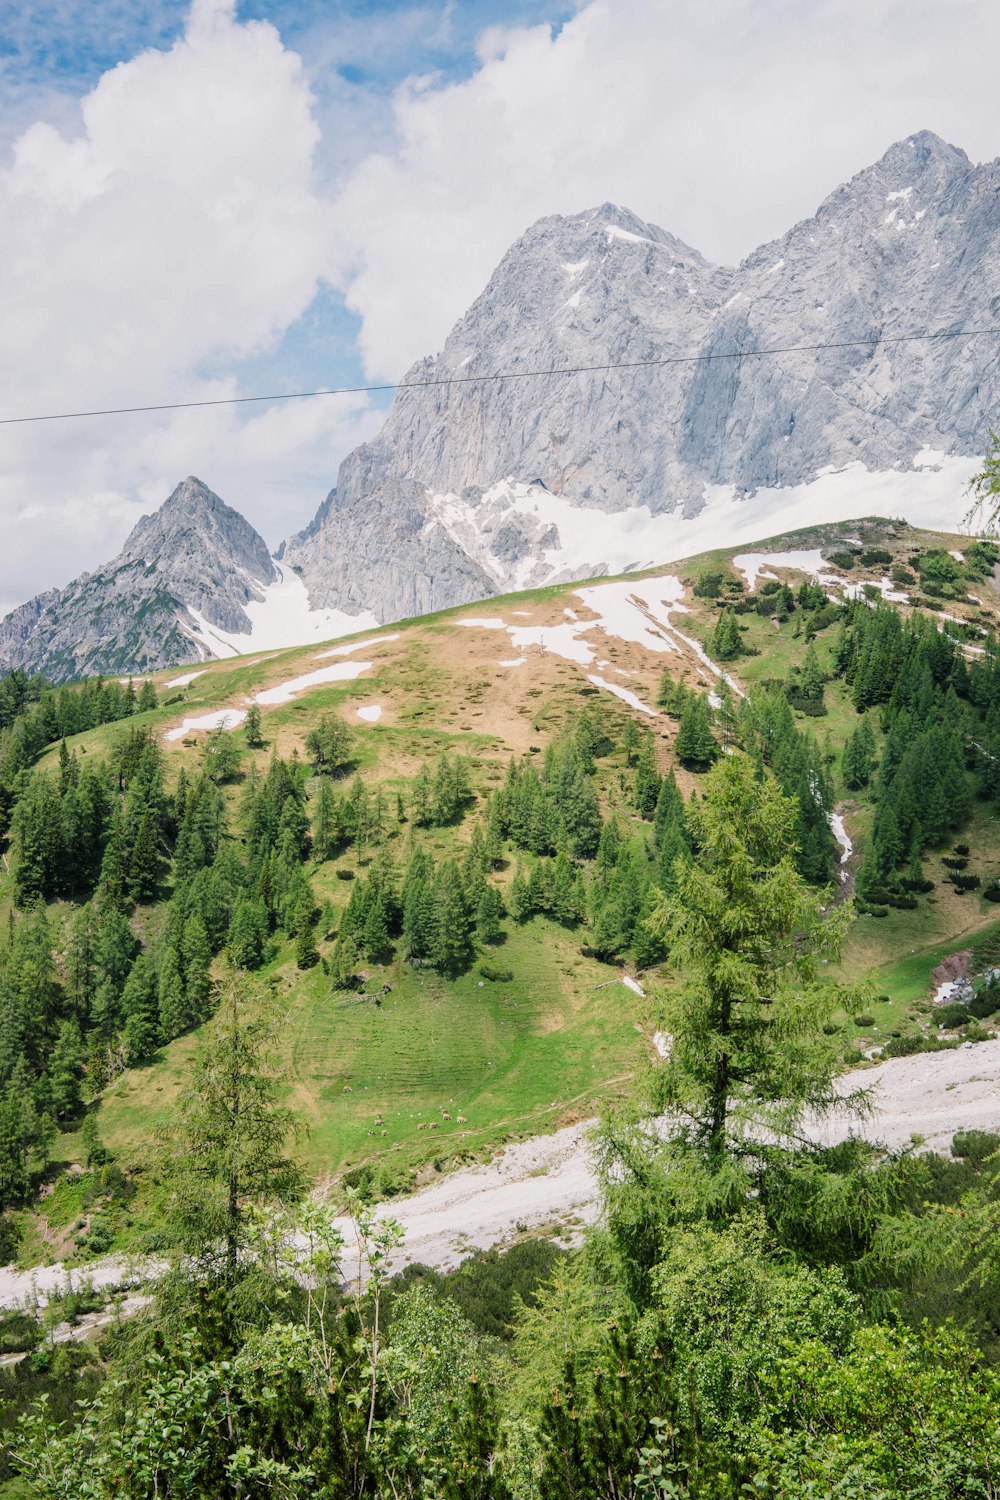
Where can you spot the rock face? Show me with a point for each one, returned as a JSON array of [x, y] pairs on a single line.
[[473, 487], [194, 559]]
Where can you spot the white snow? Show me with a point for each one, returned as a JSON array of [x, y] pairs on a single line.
[[344, 671], [514, 661], [900, 193], [575, 299], [843, 839], [365, 645], [614, 233], [222, 718], [592, 542], [625, 695], [661, 1042], [958, 556], [283, 617], [752, 565], [776, 267], [928, 458], [637, 611], [371, 713], [187, 678], [633, 985], [573, 268]]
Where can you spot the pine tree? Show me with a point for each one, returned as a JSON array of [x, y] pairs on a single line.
[[453, 942], [173, 1011], [140, 1009], [144, 861], [726, 642], [519, 902], [222, 758], [248, 934], [695, 747], [66, 1070], [197, 967], [647, 778], [326, 827], [252, 727], [630, 742], [489, 914]]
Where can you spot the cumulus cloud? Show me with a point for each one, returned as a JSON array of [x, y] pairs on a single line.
[[179, 228], [724, 122]]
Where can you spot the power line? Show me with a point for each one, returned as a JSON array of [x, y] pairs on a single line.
[[448, 380]]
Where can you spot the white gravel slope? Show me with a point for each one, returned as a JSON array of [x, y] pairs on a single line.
[[550, 1178]]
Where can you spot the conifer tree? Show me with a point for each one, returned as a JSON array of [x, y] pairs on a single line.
[[453, 940], [144, 861], [647, 778], [726, 642], [696, 749], [66, 1069], [197, 966], [248, 934], [173, 1011], [252, 727], [140, 1009], [489, 914]]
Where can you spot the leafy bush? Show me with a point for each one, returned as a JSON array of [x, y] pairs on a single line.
[[496, 974], [875, 557], [906, 1046], [864, 1019], [975, 1146], [843, 560], [952, 1015], [902, 577], [985, 1003]]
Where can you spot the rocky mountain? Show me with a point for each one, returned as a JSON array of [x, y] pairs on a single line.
[[193, 565], [484, 484]]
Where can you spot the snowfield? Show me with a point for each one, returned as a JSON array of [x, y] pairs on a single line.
[[283, 617]]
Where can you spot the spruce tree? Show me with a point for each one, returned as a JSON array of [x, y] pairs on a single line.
[[696, 749], [489, 914], [140, 1009], [173, 1011], [66, 1069], [453, 943], [726, 642], [252, 727], [197, 967]]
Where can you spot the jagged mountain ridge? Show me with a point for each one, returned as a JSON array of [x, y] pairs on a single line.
[[194, 557], [473, 487]]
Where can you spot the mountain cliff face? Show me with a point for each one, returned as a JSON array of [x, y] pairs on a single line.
[[484, 484], [194, 560]]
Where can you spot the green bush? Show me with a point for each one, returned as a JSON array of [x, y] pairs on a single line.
[[875, 557], [950, 1016], [975, 1146], [843, 560], [496, 974], [906, 1046], [864, 1019]]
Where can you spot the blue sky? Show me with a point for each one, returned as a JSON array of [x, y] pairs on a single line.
[[356, 52]]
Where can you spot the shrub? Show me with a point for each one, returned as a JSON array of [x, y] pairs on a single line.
[[961, 848], [345, 874], [985, 1003], [709, 586], [843, 560], [864, 1019], [992, 890], [955, 861], [875, 557], [496, 974], [975, 1146], [963, 883], [952, 1015], [906, 1046], [902, 577]]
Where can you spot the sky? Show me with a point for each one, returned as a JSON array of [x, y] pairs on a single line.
[[235, 197]]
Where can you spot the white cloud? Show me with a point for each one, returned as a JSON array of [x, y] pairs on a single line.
[[723, 121], [179, 226]]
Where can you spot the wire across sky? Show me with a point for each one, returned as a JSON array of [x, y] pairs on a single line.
[[498, 376]]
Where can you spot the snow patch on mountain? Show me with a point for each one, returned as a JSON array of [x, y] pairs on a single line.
[[522, 535], [283, 617]]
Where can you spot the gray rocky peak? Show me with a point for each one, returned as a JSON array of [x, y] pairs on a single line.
[[911, 244], [193, 556]]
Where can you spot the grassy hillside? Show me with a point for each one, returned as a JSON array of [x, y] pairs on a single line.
[[380, 1076]]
